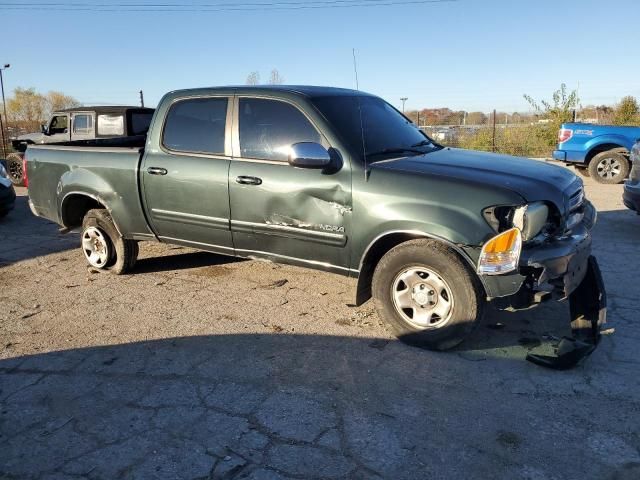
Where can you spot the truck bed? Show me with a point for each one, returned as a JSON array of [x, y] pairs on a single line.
[[105, 169]]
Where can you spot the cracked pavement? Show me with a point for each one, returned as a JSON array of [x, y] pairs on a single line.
[[198, 366]]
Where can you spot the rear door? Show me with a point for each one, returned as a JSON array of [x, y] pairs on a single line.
[[278, 211], [185, 181]]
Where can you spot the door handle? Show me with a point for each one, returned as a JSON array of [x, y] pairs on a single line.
[[244, 180], [156, 171]]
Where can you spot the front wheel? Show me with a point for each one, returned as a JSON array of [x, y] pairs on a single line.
[[610, 167], [103, 246], [427, 295]]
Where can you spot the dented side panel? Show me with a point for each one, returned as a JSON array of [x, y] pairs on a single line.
[[297, 213]]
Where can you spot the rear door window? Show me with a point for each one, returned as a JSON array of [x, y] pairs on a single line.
[[269, 127], [196, 125]]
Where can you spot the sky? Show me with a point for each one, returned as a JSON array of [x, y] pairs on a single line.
[[465, 54]]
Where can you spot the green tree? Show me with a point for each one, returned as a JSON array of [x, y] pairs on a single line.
[[627, 112], [557, 111]]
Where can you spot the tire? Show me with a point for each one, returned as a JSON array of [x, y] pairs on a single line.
[[584, 171], [610, 167], [103, 246], [431, 274], [15, 169]]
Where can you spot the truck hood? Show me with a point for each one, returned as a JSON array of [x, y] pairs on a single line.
[[533, 180], [33, 137]]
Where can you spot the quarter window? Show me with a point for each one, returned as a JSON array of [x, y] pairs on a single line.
[[196, 125], [82, 124], [110, 125], [269, 127]]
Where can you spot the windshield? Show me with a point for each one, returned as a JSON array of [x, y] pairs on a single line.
[[387, 133]]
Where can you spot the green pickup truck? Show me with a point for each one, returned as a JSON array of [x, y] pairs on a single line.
[[337, 180]]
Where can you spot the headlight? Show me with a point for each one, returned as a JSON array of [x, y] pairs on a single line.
[[501, 254], [3, 172], [530, 219]]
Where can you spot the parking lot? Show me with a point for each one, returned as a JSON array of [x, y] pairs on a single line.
[[201, 366]]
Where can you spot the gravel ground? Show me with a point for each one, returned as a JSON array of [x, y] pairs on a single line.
[[200, 366]]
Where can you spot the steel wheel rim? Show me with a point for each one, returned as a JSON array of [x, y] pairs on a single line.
[[95, 247], [609, 167], [422, 298], [15, 170]]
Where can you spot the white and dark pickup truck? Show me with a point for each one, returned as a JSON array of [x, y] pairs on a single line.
[[78, 124]]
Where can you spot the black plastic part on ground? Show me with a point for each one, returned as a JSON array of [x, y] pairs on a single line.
[[588, 307]]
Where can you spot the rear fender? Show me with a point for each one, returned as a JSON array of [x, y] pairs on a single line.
[[614, 140], [82, 182]]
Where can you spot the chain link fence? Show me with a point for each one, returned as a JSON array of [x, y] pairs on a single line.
[[524, 140]]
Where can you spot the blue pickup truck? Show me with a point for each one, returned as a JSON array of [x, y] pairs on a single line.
[[597, 151]]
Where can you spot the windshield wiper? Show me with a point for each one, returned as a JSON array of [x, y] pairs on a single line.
[[423, 143], [396, 150]]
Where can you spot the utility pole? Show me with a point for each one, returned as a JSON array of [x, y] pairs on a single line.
[[141, 98], [494, 130], [4, 147], [403, 99], [4, 106]]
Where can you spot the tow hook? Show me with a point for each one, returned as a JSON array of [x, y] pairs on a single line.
[[588, 310]]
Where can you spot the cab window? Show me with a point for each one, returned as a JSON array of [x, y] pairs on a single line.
[[196, 125], [269, 127]]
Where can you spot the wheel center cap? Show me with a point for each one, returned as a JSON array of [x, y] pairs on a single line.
[[424, 294]]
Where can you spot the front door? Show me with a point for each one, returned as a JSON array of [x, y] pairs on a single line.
[[58, 130], [278, 211], [185, 181]]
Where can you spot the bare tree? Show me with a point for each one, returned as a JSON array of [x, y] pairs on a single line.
[[59, 101], [253, 78], [276, 78], [27, 105]]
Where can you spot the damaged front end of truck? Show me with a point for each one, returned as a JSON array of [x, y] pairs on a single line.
[[546, 255]]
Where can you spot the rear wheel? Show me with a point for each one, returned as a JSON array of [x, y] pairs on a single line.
[[609, 167], [103, 246], [427, 295], [15, 169]]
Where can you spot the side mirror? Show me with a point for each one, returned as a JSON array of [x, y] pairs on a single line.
[[309, 155], [43, 129]]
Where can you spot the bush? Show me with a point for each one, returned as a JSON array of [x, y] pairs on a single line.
[[519, 140]]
